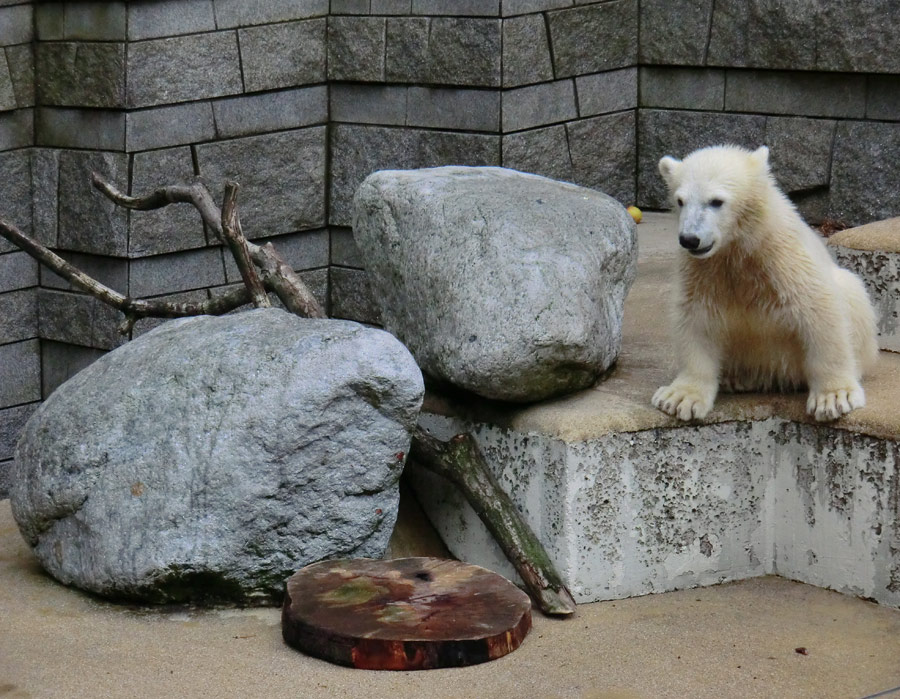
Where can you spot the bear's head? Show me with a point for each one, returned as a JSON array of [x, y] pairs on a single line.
[[715, 190]]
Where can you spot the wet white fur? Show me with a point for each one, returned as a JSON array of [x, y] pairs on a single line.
[[765, 307]]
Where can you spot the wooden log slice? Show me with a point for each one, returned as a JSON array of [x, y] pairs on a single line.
[[404, 614]]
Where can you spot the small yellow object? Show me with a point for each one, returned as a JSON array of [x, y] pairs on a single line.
[[636, 213]]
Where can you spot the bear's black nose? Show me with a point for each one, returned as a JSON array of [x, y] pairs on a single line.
[[689, 242]]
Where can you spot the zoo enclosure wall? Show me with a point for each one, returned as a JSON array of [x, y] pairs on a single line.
[[300, 99]]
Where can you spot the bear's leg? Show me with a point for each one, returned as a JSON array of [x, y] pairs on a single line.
[[831, 368], [863, 328], [692, 394]]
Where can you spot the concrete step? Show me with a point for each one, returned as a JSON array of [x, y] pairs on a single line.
[[873, 252], [629, 501]]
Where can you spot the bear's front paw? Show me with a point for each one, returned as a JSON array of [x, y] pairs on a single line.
[[684, 401], [831, 403]]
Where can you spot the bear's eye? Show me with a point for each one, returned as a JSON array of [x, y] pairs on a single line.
[[716, 203], [680, 201]]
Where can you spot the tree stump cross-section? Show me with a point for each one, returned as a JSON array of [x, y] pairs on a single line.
[[404, 614]]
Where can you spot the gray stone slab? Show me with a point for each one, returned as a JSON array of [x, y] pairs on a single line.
[[593, 38], [44, 194], [682, 88], [317, 281], [369, 104], [21, 69], [800, 151], [80, 74], [18, 270], [864, 179], [50, 21], [602, 93], [283, 55], [242, 13], [510, 8], [344, 251], [12, 420], [78, 319], [539, 105], [180, 69], [302, 251], [111, 271], [677, 133], [272, 111], [448, 108], [350, 7], [20, 373], [16, 24], [467, 8], [15, 197], [604, 155], [351, 296], [860, 37], [162, 127], [674, 31], [80, 128], [540, 151], [7, 92], [883, 97], [16, 129], [357, 151], [181, 271], [407, 51], [526, 51], [88, 221], [96, 21], [60, 361], [356, 48], [463, 51], [151, 20], [796, 94], [391, 7], [175, 227], [282, 179], [18, 316], [762, 34]]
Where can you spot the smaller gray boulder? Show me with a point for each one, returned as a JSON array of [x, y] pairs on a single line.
[[211, 458], [505, 284]]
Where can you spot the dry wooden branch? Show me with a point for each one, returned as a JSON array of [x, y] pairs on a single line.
[[134, 309], [237, 243], [277, 275], [461, 462]]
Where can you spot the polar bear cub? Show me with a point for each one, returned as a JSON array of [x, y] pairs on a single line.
[[759, 303]]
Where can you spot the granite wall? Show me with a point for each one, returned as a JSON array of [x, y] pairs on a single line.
[[300, 99]]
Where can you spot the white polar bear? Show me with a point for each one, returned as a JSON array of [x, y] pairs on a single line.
[[760, 304]]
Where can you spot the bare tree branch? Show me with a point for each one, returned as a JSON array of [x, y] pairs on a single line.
[[276, 274], [237, 243]]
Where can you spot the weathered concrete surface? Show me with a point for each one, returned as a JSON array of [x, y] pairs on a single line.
[[726, 641], [873, 252], [629, 501]]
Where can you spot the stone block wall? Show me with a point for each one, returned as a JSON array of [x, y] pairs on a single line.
[[20, 372], [817, 82], [300, 99]]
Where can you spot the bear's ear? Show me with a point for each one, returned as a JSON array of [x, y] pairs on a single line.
[[761, 157], [668, 167]]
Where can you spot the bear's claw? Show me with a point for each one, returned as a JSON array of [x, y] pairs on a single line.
[[684, 401], [831, 404]]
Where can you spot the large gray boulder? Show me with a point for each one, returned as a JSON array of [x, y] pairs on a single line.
[[505, 284], [211, 458]]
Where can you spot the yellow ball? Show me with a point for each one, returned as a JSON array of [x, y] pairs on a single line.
[[635, 213]]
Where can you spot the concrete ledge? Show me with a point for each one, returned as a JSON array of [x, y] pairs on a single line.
[[629, 501]]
